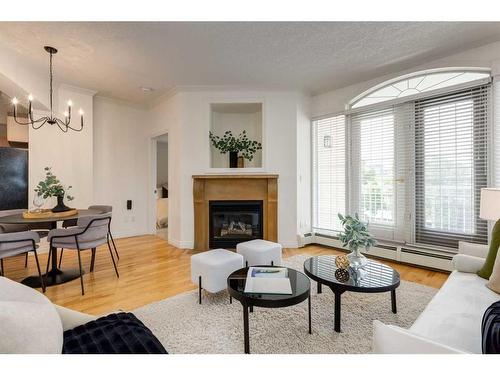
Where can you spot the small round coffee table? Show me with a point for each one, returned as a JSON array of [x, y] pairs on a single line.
[[301, 288], [374, 278]]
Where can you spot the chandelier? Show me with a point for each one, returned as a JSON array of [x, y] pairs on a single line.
[[65, 124]]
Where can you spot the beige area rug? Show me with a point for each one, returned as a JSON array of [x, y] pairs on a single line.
[[184, 326]]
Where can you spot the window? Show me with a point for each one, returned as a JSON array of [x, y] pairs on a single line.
[[417, 83], [373, 157], [451, 167], [412, 169], [329, 163]]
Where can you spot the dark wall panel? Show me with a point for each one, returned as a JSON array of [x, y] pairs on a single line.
[[13, 178]]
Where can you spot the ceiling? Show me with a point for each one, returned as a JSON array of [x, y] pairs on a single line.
[[118, 58]]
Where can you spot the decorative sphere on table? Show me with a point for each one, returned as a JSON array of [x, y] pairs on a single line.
[[341, 261], [342, 275]]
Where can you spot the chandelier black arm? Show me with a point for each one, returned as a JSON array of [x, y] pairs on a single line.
[[39, 120], [67, 125], [21, 123], [62, 125], [44, 119]]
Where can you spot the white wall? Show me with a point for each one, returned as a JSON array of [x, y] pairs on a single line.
[[69, 154], [333, 102], [304, 175], [167, 116], [186, 117], [121, 163]]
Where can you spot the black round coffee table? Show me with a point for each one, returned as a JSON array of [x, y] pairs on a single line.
[[301, 288], [375, 277]]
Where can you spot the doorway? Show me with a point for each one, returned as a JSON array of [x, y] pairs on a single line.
[[161, 186]]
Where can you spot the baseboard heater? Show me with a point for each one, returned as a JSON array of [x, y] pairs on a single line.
[[419, 256]]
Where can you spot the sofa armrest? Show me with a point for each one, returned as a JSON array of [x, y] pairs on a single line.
[[467, 263], [72, 318], [389, 339], [473, 249]]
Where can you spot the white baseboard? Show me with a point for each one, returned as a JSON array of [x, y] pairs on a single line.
[[181, 244], [290, 244]]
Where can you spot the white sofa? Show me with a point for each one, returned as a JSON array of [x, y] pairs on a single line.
[[451, 322], [22, 310]]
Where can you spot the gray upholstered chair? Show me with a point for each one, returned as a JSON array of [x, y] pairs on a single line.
[[103, 209], [12, 244], [90, 232], [12, 228]]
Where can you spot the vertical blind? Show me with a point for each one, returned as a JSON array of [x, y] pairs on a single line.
[[451, 167], [329, 177]]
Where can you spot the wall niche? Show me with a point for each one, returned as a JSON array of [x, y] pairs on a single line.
[[236, 117]]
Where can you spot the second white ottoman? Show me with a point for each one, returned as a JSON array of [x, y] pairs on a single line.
[[211, 269], [260, 252]]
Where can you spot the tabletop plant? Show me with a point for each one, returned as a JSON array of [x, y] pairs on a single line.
[[240, 144], [52, 187], [355, 235]]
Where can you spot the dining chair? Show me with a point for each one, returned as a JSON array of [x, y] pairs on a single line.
[[12, 244], [13, 228], [103, 209], [90, 232]]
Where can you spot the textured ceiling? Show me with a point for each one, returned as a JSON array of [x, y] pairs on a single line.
[[117, 58]]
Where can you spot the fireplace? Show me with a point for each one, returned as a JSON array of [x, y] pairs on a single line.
[[232, 222]]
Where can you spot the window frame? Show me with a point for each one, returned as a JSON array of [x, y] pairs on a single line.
[[349, 106]]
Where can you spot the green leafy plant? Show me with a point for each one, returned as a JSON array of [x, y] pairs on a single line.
[[51, 186], [241, 144], [355, 233]]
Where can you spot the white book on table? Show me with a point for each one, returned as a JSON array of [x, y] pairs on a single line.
[[268, 280]]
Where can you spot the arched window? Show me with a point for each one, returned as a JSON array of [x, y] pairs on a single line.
[[416, 83]]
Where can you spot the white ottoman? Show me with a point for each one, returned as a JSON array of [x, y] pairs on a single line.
[[260, 252], [210, 269]]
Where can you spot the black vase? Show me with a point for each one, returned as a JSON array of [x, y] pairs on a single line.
[[233, 159], [61, 207]]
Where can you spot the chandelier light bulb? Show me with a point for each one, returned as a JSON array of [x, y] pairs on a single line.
[[15, 101], [30, 97], [70, 103], [80, 112]]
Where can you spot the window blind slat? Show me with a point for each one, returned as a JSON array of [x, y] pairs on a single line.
[[451, 164], [329, 165]]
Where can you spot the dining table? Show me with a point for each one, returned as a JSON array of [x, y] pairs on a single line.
[[55, 275]]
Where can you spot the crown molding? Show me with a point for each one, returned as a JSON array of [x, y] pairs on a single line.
[[77, 89]]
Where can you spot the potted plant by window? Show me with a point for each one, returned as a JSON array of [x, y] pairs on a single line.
[[355, 235], [238, 147], [52, 187]]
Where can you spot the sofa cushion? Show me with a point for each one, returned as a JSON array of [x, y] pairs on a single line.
[[453, 317], [120, 333], [29, 322], [494, 282], [487, 269], [490, 329]]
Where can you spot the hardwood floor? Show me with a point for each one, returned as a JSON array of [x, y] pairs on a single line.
[[151, 270]]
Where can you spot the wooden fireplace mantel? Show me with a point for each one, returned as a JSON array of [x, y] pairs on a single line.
[[234, 187]]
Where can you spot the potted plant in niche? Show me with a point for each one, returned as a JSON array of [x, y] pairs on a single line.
[[238, 147], [52, 187], [355, 235]]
